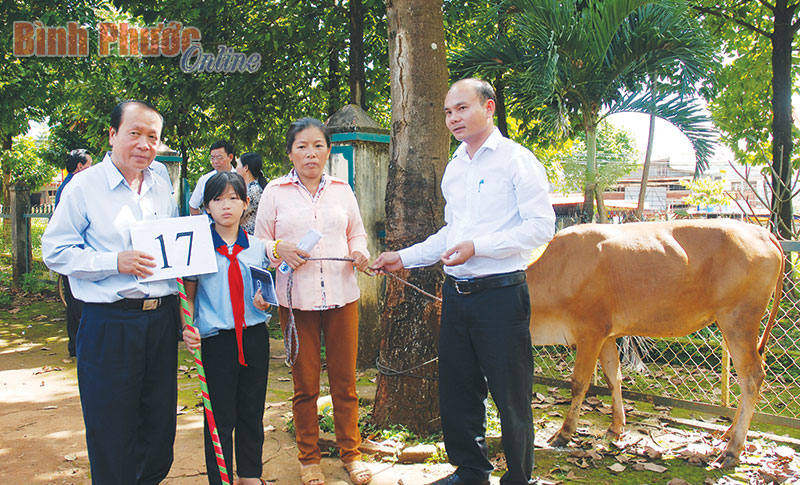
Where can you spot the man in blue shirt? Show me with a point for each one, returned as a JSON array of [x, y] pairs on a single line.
[[127, 342], [77, 160]]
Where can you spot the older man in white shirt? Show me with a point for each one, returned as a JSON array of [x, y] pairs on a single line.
[[497, 211], [127, 341]]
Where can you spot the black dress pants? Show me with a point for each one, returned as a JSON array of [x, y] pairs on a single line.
[[238, 394], [484, 344], [74, 311]]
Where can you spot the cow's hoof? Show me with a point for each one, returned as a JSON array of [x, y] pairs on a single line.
[[612, 435], [558, 441], [728, 460]]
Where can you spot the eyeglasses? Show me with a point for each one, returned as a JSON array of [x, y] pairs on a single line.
[[216, 158]]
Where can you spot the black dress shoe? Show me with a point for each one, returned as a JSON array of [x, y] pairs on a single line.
[[454, 479]]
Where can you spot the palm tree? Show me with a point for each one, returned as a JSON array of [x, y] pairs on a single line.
[[569, 64]]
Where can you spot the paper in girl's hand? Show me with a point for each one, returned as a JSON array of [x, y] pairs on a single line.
[[262, 280]]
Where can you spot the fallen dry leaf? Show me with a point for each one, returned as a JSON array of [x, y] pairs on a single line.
[[617, 468], [14, 310], [655, 468], [71, 457], [45, 369], [784, 452], [653, 454]]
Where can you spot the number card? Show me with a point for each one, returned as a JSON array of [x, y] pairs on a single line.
[[181, 246]]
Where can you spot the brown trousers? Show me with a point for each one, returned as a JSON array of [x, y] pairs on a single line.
[[340, 327]]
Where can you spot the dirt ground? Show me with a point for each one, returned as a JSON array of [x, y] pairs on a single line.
[[42, 436], [43, 442]]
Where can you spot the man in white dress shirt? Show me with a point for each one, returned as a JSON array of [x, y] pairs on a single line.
[[497, 211], [127, 340], [221, 157]]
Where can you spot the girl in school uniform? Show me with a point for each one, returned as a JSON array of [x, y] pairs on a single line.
[[232, 333]]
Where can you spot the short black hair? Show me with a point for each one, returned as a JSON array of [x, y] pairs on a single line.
[[216, 185], [303, 124], [75, 157], [119, 109], [223, 144]]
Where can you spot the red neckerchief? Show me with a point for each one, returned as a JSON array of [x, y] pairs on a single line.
[[235, 282]]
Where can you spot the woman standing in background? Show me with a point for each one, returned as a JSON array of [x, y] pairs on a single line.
[[250, 168]]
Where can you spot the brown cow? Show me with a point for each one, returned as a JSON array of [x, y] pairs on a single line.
[[597, 282]]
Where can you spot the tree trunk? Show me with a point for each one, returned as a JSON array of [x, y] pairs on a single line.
[[414, 210], [500, 111], [648, 154], [357, 77], [591, 172], [782, 36], [8, 144], [333, 77]]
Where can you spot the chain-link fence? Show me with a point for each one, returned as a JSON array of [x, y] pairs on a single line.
[[697, 369]]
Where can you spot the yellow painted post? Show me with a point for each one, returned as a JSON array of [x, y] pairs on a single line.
[[726, 376]]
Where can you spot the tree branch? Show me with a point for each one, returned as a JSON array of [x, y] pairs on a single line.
[[752, 215], [770, 7], [746, 180], [727, 16]]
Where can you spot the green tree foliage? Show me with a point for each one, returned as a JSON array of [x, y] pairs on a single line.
[[616, 157], [568, 65], [304, 72], [741, 29], [740, 103], [23, 164], [705, 192]]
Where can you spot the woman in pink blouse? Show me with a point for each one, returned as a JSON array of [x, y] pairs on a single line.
[[324, 293]]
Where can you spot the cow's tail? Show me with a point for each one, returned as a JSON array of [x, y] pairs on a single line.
[[775, 301]]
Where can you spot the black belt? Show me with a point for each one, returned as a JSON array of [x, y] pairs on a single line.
[[142, 304], [474, 285]]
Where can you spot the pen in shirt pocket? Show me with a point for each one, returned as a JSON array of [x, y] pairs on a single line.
[[480, 184]]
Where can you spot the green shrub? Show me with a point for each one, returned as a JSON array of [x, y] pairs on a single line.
[[31, 283]]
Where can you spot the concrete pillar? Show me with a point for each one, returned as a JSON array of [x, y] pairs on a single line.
[[172, 160], [360, 155], [20, 232]]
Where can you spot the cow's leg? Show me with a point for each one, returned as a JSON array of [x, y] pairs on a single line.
[[609, 360], [585, 362], [741, 336]]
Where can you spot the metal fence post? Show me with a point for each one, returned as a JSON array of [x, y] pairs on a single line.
[[20, 232]]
